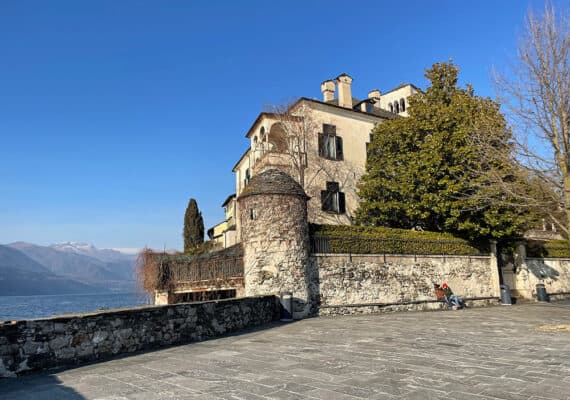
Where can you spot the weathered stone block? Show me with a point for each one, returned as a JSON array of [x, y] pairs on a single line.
[[60, 342], [100, 336]]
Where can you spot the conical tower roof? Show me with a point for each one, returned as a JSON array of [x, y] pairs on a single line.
[[272, 181]]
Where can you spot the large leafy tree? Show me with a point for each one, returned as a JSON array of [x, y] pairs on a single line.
[[426, 170], [193, 226]]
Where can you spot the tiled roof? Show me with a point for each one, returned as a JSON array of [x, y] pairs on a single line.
[[376, 112], [272, 181], [402, 85]]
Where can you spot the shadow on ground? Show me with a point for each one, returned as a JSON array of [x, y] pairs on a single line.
[[44, 387]]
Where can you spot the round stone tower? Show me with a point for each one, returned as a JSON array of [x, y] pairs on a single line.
[[275, 238]]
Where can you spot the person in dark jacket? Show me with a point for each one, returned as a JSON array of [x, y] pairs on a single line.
[[452, 300]]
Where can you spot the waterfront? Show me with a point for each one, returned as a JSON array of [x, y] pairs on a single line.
[[28, 307]]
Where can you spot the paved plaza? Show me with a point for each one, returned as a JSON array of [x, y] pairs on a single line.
[[489, 353]]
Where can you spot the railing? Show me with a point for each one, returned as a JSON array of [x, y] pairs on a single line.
[[367, 245], [272, 159], [204, 271], [221, 269]]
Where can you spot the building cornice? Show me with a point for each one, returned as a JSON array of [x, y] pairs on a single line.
[[241, 159]]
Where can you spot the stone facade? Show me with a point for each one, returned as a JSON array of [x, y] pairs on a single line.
[[275, 238], [553, 273], [352, 283], [353, 119], [27, 346]]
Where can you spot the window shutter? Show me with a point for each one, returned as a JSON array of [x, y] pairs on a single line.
[[332, 186], [339, 153], [326, 200], [341, 203], [321, 145], [329, 129]]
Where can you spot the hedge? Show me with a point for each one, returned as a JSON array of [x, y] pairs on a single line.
[[379, 240], [552, 249]]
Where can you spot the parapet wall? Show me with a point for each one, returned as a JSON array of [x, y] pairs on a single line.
[[370, 283], [32, 345]]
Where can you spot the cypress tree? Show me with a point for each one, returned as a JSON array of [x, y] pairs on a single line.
[[193, 226]]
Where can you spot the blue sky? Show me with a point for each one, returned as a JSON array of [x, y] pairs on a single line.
[[114, 113]]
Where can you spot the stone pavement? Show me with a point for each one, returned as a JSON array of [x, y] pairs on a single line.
[[490, 353]]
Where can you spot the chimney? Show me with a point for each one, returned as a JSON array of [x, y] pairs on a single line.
[[327, 87], [375, 95], [344, 93]]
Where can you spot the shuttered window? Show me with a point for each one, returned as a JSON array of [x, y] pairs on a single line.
[[332, 199], [330, 145]]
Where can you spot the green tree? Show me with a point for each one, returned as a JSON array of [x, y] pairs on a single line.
[[193, 226], [426, 170]]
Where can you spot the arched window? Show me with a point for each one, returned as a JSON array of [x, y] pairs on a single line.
[[262, 139], [402, 105], [396, 107], [262, 134], [391, 107], [278, 138], [255, 142]]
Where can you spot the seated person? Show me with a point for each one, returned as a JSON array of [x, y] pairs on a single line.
[[451, 299]]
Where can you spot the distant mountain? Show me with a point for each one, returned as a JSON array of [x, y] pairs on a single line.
[[21, 275], [116, 261], [102, 269], [86, 249]]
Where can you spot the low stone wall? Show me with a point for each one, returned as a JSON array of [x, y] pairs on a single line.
[[375, 283], [554, 273], [32, 345]]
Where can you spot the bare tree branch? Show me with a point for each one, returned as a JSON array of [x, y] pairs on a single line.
[[536, 93]]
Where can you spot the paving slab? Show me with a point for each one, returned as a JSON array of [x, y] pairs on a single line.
[[484, 353]]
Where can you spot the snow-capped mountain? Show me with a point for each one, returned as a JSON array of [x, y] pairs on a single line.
[[87, 249], [85, 263]]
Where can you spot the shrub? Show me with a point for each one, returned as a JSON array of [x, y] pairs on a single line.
[[551, 248], [370, 240]]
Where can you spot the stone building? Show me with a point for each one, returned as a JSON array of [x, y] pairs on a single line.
[[275, 238], [321, 144], [275, 255], [224, 233]]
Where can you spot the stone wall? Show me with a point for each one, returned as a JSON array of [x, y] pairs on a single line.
[[371, 283], [32, 345], [554, 273]]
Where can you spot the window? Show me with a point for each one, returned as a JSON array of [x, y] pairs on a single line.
[[330, 145], [396, 107], [402, 105], [391, 107], [332, 199], [262, 134], [247, 178], [369, 107]]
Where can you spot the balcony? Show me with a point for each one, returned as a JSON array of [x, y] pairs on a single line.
[[183, 273]]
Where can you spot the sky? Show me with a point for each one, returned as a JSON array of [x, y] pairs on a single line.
[[113, 114]]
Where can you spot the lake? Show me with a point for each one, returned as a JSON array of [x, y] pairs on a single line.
[[28, 307]]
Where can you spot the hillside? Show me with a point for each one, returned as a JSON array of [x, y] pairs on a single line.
[[114, 276], [21, 276]]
